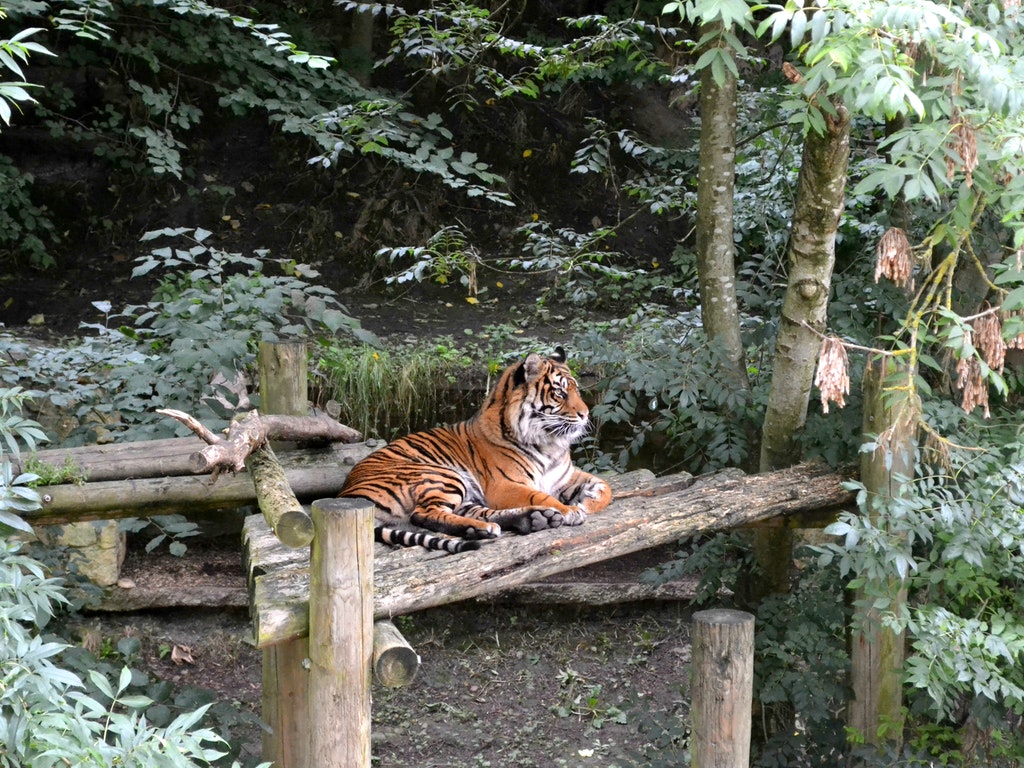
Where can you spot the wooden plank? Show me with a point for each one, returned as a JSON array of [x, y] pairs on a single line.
[[408, 581], [264, 553]]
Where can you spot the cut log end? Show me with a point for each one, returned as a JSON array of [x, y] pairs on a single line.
[[394, 660], [294, 528]]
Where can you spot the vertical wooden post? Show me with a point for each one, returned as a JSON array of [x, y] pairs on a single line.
[[877, 653], [722, 688], [283, 377], [341, 632], [283, 382]]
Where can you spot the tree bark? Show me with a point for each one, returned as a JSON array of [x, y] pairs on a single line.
[[877, 652], [811, 257], [716, 270]]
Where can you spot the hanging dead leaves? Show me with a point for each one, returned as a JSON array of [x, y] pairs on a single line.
[[986, 333], [832, 378], [963, 144], [895, 258]]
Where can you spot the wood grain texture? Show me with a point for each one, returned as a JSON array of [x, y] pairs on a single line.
[[722, 688], [341, 633], [413, 579]]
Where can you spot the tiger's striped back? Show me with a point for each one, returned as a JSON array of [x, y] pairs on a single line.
[[506, 468]]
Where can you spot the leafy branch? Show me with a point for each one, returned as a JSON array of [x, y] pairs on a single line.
[[14, 52]]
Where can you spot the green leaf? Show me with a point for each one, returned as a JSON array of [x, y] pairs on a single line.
[[1014, 300], [136, 701], [101, 683], [797, 28], [11, 523]]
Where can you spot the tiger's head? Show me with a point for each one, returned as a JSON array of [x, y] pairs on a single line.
[[540, 402]]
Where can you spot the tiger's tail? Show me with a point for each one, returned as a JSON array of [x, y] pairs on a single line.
[[399, 538]]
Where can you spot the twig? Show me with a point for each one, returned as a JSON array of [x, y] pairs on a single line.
[[192, 423]]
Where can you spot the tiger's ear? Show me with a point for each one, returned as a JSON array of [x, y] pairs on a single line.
[[559, 354], [528, 370]]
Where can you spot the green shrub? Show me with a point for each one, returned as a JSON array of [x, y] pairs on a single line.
[[207, 316], [50, 716], [661, 385]]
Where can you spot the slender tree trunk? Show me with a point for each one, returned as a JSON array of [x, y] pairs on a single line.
[[877, 652], [811, 256], [716, 269], [359, 54], [819, 204]]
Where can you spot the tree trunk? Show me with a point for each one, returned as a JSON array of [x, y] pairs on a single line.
[[819, 204], [811, 256], [877, 653], [716, 271]]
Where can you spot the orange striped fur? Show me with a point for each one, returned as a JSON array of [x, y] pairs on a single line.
[[508, 468]]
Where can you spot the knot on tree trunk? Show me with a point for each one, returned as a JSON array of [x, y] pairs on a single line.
[[809, 289]]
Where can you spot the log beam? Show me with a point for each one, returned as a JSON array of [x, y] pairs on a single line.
[[413, 579], [313, 473], [282, 511], [394, 660], [723, 688]]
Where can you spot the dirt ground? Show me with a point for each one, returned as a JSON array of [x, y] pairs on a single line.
[[501, 684]]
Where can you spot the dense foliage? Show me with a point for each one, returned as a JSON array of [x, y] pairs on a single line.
[[448, 156], [60, 705]]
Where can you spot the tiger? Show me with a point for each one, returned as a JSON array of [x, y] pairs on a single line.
[[507, 468]]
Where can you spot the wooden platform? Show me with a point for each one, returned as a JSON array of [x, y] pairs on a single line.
[[647, 512]]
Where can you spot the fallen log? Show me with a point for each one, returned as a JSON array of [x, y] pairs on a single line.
[[311, 473], [410, 580], [168, 457]]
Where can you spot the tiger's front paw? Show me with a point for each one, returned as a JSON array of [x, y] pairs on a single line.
[[542, 518], [576, 517], [484, 531]]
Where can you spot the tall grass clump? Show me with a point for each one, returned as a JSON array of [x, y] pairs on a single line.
[[387, 392]]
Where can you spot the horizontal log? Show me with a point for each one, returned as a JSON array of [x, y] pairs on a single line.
[[395, 662], [117, 599], [594, 593], [263, 553], [119, 461], [171, 456], [410, 580], [311, 473]]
